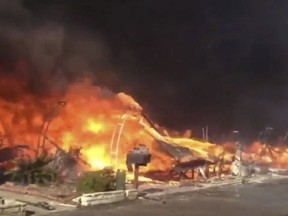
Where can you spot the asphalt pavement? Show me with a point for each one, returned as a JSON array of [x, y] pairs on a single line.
[[266, 199]]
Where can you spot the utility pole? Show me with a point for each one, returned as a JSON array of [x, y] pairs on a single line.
[[205, 133], [285, 137], [237, 163]]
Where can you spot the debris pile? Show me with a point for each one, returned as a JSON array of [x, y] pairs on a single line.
[[95, 129]]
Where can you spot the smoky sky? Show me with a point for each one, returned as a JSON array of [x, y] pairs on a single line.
[[189, 63]]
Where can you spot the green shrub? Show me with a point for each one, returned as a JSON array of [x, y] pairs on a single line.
[[96, 181]]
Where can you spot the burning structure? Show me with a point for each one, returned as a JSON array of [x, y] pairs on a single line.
[[90, 129]]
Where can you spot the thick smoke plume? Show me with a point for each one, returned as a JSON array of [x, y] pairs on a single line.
[[218, 65], [45, 54]]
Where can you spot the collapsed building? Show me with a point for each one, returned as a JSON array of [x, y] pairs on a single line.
[[92, 129]]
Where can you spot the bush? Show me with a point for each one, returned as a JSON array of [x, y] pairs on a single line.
[[33, 172], [96, 181]]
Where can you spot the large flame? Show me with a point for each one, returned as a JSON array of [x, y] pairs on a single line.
[[88, 121]]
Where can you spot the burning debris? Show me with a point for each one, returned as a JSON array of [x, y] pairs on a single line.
[[10, 153], [91, 130]]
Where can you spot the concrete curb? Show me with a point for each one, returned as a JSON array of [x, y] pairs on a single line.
[[37, 192], [131, 194], [12, 207], [106, 197], [258, 179], [100, 198]]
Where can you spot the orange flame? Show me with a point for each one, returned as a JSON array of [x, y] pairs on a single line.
[[88, 121]]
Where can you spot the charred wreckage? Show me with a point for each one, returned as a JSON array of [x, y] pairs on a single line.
[[21, 165]]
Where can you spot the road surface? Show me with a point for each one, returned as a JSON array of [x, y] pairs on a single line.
[[267, 199]]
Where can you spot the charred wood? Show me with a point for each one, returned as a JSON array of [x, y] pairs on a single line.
[[10, 153]]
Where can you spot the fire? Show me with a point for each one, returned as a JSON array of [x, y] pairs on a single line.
[[96, 157], [93, 126], [89, 120]]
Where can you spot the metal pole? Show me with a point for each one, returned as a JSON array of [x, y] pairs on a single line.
[[203, 133], [136, 176], [285, 137], [112, 145], [118, 141], [239, 153], [114, 152]]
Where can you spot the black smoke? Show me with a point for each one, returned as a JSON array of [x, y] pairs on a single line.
[[47, 52], [190, 63]]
